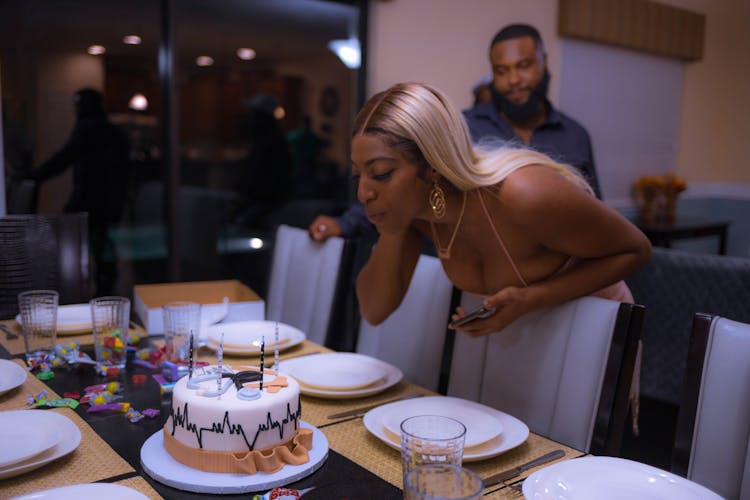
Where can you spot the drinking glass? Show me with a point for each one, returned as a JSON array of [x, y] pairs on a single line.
[[442, 482], [431, 439], [180, 320], [110, 317], [39, 320]]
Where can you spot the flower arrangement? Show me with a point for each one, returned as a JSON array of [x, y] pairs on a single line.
[[656, 197]]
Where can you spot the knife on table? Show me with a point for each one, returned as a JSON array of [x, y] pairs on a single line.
[[515, 471]]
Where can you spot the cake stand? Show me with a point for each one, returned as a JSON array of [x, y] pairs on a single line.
[[160, 465]]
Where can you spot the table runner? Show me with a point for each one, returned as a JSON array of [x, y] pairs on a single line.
[[15, 346], [92, 461]]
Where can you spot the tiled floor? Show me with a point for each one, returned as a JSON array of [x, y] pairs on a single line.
[[657, 427]]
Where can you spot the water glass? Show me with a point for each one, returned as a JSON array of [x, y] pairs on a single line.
[[431, 439], [110, 317], [180, 320], [442, 482], [39, 320]]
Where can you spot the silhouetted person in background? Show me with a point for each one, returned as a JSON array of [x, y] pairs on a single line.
[[264, 181], [305, 148], [99, 153]]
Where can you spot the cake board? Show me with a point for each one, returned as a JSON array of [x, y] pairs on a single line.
[[160, 465]]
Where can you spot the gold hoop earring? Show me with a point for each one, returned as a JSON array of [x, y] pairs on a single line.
[[437, 200]]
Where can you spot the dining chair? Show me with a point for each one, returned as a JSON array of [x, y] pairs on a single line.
[[44, 252], [565, 370], [412, 337], [713, 424], [305, 281]]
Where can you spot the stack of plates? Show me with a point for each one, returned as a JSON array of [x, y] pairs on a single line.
[[341, 375], [11, 376], [244, 337], [489, 432], [32, 438], [72, 319], [592, 478]]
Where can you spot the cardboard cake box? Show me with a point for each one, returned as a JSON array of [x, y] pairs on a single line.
[[244, 304]]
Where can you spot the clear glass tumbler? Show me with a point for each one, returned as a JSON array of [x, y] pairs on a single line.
[[180, 320], [431, 439], [110, 317], [39, 321], [442, 482]]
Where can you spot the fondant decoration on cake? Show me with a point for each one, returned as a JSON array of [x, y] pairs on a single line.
[[239, 427]]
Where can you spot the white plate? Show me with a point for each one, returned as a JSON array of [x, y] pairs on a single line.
[[480, 426], [338, 373], [68, 432], [590, 478], [72, 319], [91, 490], [11, 376], [391, 377], [239, 336], [160, 465], [23, 437], [514, 432]]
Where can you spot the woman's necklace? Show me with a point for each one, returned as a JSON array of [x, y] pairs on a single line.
[[445, 253]]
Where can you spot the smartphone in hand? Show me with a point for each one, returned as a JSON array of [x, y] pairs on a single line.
[[479, 313]]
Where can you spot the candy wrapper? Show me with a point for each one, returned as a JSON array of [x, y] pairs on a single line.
[[280, 493]]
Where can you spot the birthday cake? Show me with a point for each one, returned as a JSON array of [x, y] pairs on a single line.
[[236, 422]]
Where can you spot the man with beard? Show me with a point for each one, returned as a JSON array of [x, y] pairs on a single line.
[[520, 111]]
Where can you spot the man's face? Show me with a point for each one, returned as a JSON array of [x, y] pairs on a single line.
[[517, 68]]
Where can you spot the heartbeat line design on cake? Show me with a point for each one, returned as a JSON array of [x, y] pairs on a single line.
[[182, 419]]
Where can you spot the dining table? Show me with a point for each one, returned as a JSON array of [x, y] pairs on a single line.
[[358, 465]]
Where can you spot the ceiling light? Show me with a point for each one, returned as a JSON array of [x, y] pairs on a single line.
[[96, 50], [347, 50], [246, 54], [138, 102], [131, 40], [204, 61], [279, 113]]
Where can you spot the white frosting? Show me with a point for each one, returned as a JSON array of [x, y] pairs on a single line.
[[228, 423]]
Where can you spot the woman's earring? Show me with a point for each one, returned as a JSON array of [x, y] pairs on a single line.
[[437, 200]]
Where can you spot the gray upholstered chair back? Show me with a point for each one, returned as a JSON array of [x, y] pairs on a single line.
[[711, 445], [412, 337], [304, 281], [44, 252], [673, 286], [565, 371]]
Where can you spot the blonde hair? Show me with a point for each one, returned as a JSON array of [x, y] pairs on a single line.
[[419, 121]]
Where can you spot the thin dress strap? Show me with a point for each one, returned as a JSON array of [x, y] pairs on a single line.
[[500, 240]]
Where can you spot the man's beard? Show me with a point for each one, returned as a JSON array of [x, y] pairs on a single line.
[[523, 113]]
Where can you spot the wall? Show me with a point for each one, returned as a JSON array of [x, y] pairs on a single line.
[[444, 42]]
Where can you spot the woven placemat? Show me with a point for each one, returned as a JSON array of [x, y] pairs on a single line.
[[352, 440], [15, 346], [93, 460], [18, 398], [315, 410], [140, 484]]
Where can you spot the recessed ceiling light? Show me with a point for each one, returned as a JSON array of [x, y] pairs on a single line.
[[204, 61], [279, 113], [96, 50], [138, 102], [131, 40], [246, 54]]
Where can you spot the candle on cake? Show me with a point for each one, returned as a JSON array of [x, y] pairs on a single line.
[[262, 360], [221, 359], [276, 350], [190, 357]]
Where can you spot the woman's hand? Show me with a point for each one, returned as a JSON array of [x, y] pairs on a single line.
[[509, 303]]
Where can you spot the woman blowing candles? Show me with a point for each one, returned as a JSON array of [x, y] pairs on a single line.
[[509, 224]]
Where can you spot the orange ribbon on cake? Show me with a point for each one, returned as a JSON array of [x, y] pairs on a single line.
[[292, 452]]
